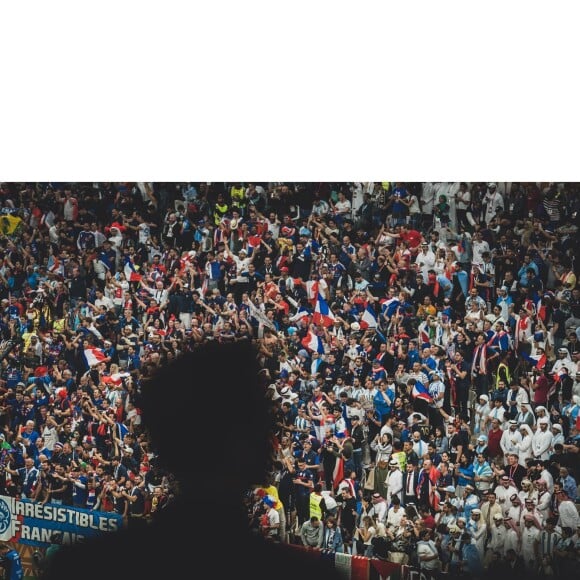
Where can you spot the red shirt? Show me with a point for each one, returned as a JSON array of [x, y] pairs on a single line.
[[412, 238], [541, 392], [493, 439], [429, 522]]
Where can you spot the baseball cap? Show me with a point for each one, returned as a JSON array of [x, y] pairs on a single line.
[[450, 489]]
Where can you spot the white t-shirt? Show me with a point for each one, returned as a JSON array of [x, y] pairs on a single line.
[[144, 232], [273, 520], [342, 207], [427, 549], [478, 248]]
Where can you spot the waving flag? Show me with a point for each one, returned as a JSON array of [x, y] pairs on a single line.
[[94, 356], [9, 224], [186, 260], [115, 379], [389, 307], [131, 272], [299, 315], [312, 290], [423, 330], [253, 243], [322, 313], [421, 392], [368, 318], [313, 342], [537, 360], [259, 316], [54, 265], [105, 260]]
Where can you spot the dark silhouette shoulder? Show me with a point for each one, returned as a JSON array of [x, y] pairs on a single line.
[[227, 448]]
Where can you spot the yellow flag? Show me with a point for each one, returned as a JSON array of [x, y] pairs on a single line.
[[9, 224]]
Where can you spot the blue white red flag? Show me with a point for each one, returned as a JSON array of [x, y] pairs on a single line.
[[313, 342], [94, 356], [421, 392], [539, 361], [368, 318], [130, 271], [312, 290], [322, 313]]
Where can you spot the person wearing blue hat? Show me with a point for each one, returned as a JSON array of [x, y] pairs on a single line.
[[270, 523]]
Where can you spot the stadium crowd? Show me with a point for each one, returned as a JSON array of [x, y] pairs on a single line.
[[419, 341]]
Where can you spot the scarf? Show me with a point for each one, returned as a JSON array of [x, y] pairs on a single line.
[[451, 378], [480, 354]]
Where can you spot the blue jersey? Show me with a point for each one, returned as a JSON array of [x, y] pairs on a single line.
[[12, 565]]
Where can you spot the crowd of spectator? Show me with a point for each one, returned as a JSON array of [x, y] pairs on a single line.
[[419, 341]]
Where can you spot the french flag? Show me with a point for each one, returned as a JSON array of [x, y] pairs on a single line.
[[539, 361], [253, 243], [421, 392], [94, 356], [130, 272], [312, 290], [115, 379], [389, 307], [313, 342], [322, 313], [541, 310], [557, 376], [368, 318], [423, 330]]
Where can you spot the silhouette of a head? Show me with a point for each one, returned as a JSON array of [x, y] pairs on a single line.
[[208, 418]]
